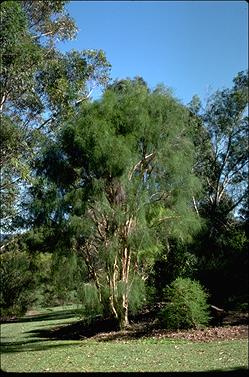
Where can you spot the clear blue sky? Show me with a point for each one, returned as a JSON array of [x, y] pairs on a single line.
[[194, 47]]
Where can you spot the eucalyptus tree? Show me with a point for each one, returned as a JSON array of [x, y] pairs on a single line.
[[40, 86], [221, 147], [223, 143], [116, 181]]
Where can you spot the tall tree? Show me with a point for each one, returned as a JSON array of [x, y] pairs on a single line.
[[117, 178], [40, 86], [221, 146], [226, 165]]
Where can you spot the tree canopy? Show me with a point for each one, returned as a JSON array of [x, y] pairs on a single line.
[[40, 86], [121, 174]]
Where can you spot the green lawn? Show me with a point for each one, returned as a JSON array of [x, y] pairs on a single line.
[[23, 350]]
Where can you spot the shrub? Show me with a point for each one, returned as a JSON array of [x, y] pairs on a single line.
[[57, 278], [186, 305]]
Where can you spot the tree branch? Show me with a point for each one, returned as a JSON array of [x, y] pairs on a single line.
[[146, 158]]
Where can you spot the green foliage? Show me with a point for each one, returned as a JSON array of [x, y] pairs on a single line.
[[220, 133], [186, 305], [225, 166], [34, 100], [67, 273], [58, 277], [89, 298], [137, 295], [17, 282], [176, 260], [117, 177], [223, 265]]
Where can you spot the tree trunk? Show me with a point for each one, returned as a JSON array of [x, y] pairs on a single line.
[[112, 277], [124, 319]]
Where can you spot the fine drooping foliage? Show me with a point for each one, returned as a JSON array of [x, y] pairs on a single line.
[[186, 305], [117, 177]]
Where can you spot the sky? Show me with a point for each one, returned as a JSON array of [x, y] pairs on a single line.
[[193, 47]]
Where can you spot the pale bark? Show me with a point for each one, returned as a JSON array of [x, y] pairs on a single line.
[[146, 159], [126, 259], [3, 100], [195, 206], [114, 286]]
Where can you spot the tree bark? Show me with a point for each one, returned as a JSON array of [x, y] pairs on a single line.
[[125, 300], [126, 259]]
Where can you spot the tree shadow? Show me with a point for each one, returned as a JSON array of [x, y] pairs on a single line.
[[46, 338], [60, 314], [78, 330], [104, 330], [31, 345]]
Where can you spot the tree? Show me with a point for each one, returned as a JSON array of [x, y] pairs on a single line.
[[118, 176], [221, 144], [225, 169], [39, 86]]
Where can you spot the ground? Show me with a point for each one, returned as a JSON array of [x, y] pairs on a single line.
[[58, 340]]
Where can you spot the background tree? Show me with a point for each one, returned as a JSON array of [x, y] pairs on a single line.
[[117, 177], [39, 86], [221, 146], [226, 169]]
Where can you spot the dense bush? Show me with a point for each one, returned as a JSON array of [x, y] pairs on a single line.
[[223, 266], [57, 278], [176, 260], [17, 281], [186, 305]]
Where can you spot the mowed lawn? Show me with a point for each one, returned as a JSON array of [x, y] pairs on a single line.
[[22, 350]]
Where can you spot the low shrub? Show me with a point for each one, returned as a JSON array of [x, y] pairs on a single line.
[[186, 305]]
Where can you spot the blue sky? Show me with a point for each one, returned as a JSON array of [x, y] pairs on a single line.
[[194, 47]]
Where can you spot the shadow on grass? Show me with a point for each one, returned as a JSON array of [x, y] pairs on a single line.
[[32, 346], [103, 330], [46, 338], [78, 330], [52, 316]]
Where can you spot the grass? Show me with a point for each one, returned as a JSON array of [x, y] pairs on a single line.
[[23, 350]]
